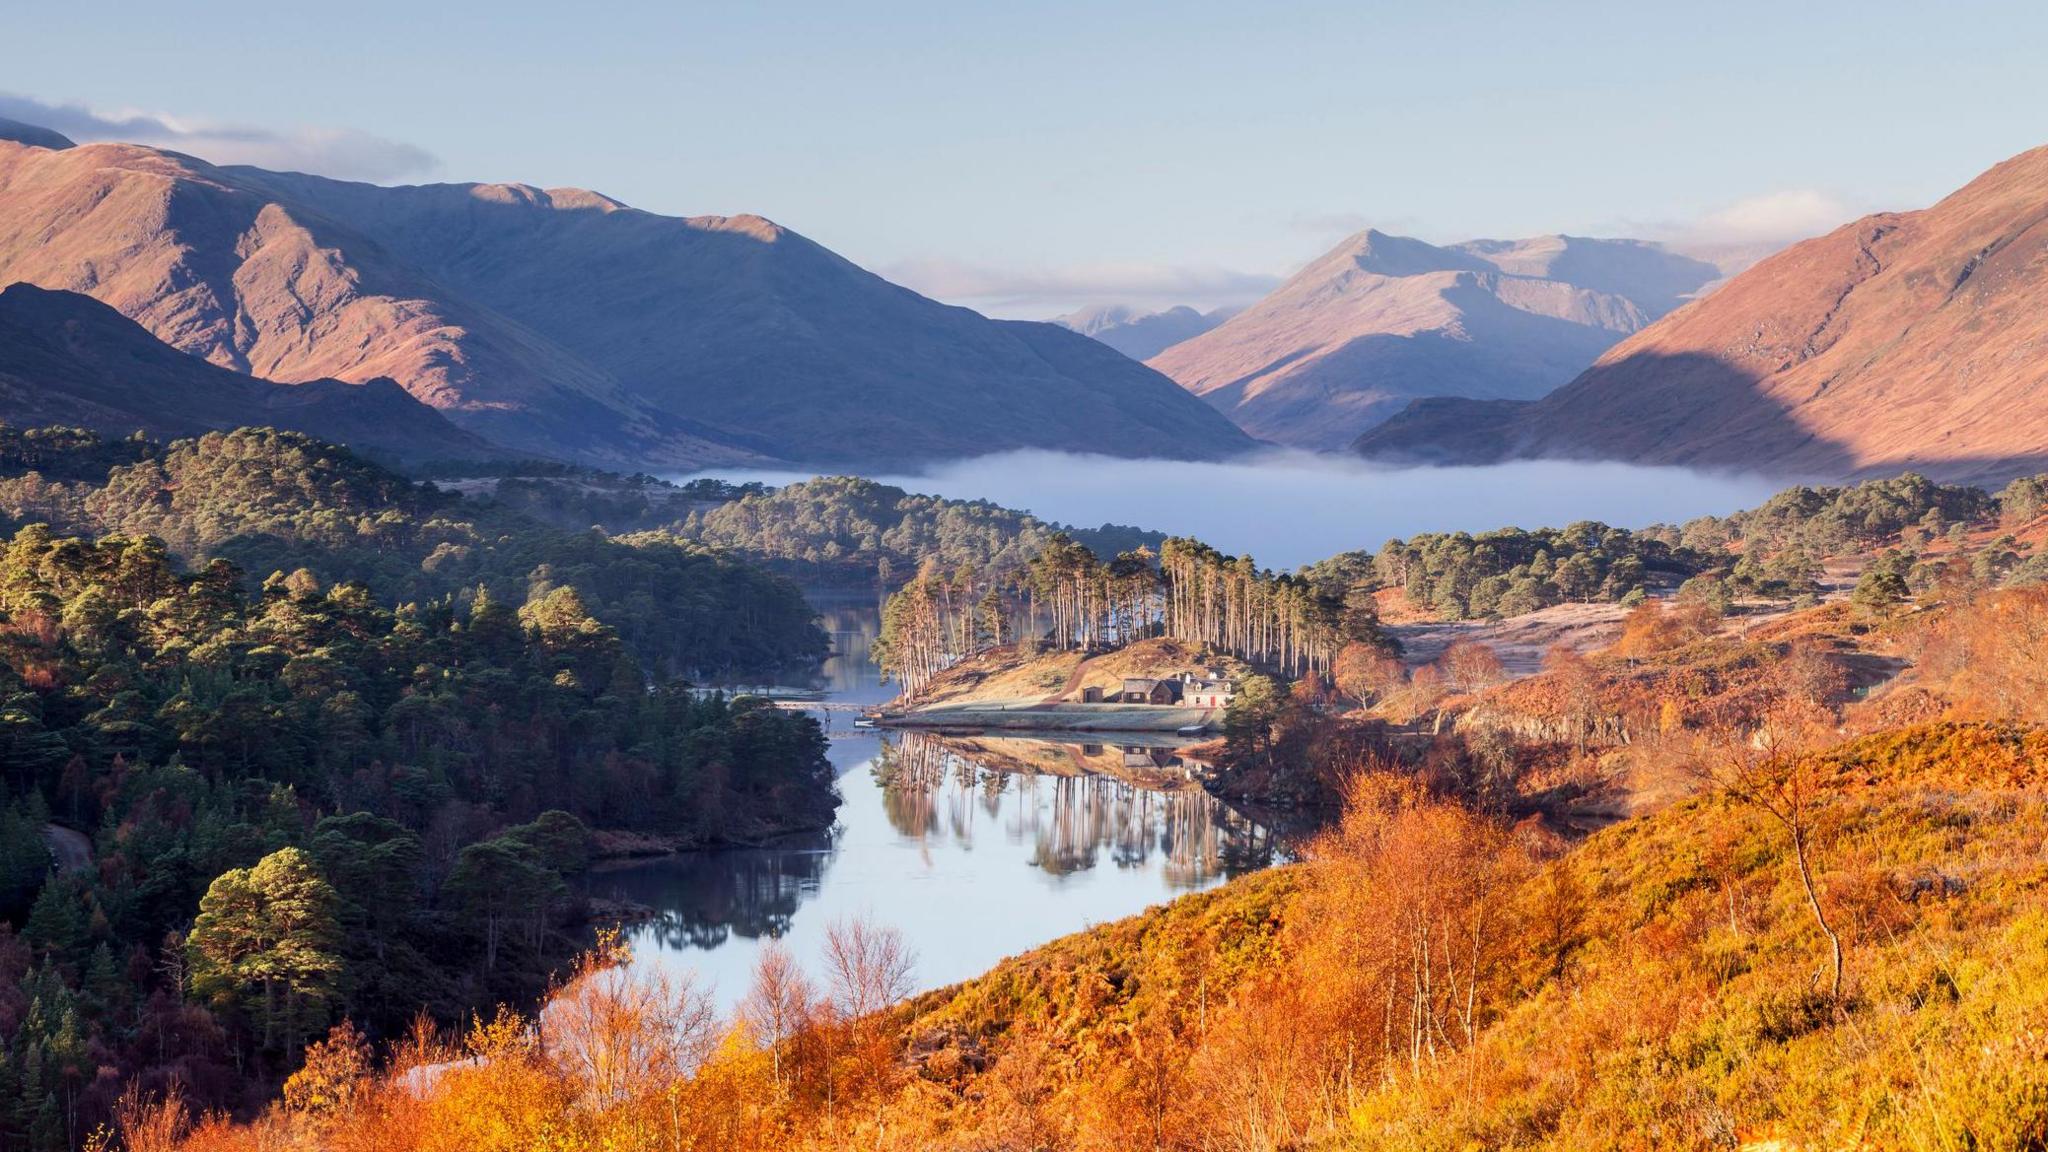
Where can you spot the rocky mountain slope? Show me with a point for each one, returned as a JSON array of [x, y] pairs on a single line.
[[1382, 320], [68, 359], [1141, 335], [567, 323], [1903, 340]]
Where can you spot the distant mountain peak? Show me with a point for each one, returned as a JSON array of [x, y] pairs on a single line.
[[1381, 319], [1384, 254], [1138, 334], [1651, 275]]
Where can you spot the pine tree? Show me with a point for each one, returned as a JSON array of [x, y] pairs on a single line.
[[106, 989], [273, 928], [56, 923]]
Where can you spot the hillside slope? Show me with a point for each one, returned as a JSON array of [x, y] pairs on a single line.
[[68, 359], [1903, 340], [566, 323], [1654, 987], [1382, 320]]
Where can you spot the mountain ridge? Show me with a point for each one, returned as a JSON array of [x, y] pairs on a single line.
[[562, 322], [1898, 341], [1380, 320]]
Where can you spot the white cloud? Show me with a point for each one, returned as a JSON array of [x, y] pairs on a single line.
[[1041, 291], [1737, 234], [1775, 217], [339, 152]]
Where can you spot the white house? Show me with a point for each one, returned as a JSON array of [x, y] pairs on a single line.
[[1209, 691]]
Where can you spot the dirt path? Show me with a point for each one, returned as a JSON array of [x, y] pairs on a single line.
[[70, 851], [1073, 682]]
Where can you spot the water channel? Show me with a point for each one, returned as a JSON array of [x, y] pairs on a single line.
[[975, 846]]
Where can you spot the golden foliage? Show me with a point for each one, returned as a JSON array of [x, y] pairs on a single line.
[[1429, 977]]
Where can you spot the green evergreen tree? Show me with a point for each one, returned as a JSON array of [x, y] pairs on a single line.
[[56, 927], [271, 930]]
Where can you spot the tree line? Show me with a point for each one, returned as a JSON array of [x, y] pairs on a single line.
[[851, 530], [1068, 597], [278, 501]]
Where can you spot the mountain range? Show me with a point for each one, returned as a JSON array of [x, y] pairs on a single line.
[[461, 320], [68, 359], [564, 323], [1381, 320], [1142, 335], [1903, 340]]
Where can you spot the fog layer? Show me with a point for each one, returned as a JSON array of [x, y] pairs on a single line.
[[1292, 508]]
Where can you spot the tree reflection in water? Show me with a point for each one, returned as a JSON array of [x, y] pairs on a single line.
[[976, 847], [702, 898], [1073, 818]]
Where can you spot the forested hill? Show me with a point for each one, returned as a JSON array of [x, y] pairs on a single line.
[[565, 324], [847, 529], [302, 807], [321, 744], [273, 502], [1838, 944], [1773, 551]]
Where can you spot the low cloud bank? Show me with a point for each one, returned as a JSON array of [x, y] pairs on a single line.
[[1293, 508]]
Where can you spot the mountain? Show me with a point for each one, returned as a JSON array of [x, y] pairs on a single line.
[[33, 134], [1141, 335], [1381, 320], [1652, 276], [564, 322], [1903, 340], [68, 359]]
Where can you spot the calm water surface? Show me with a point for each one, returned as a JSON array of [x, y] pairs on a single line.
[[975, 848]]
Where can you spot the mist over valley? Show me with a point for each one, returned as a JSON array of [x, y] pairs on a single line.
[[1290, 508]]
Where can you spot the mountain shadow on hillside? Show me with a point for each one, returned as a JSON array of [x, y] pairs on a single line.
[[1688, 410]]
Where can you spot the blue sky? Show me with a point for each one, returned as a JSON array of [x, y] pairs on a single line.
[[1025, 158]]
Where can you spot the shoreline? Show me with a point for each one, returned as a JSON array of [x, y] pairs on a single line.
[[1105, 718]]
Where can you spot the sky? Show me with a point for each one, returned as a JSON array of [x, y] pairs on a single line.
[[1027, 158]]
